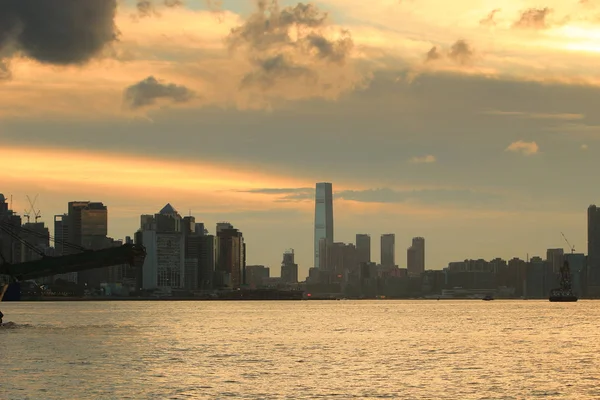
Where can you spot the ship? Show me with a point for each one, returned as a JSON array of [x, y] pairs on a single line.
[[564, 293]]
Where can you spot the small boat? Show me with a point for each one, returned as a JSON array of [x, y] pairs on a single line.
[[487, 298]]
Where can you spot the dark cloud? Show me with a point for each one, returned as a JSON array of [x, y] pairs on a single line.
[[286, 194], [147, 8], [269, 70], [489, 19], [286, 43], [59, 32], [385, 195], [4, 70], [433, 54], [429, 196], [533, 18], [150, 90], [461, 52]]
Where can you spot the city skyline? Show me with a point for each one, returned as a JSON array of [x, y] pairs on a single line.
[[401, 250], [471, 127]]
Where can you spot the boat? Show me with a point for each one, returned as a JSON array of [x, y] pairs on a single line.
[[564, 294], [487, 297]]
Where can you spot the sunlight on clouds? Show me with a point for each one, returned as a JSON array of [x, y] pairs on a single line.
[[190, 49]]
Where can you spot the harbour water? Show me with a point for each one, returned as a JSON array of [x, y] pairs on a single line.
[[301, 350]]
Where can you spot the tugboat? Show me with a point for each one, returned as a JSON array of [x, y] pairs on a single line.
[[565, 292]]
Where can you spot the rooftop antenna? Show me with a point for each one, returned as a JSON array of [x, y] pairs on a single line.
[[572, 248]]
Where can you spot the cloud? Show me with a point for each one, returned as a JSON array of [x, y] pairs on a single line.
[[460, 52], [147, 8], [383, 195], [529, 115], [489, 19], [423, 160], [533, 18], [59, 32], [526, 148], [293, 47], [433, 54], [148, 91], [285, 194]]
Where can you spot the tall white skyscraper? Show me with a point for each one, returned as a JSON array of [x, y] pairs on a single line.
[[323, 217]]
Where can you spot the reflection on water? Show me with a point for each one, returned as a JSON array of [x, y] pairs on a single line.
[[301, 350]]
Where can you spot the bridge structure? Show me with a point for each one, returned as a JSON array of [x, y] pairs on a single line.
[[132, 254]]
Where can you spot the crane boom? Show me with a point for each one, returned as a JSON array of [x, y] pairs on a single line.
[[572, 248]]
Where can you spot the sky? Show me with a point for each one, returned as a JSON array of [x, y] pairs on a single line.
[[471, 123]]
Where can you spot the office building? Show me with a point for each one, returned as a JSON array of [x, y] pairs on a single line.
[[593, 263], [164, 266], [289, 269], [323, 217], [388, 250], [231, 259], [363, 248], [556, 258], [415, 257]]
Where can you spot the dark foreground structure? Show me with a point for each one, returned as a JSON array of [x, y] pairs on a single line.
[[131, 254], [564, 294]]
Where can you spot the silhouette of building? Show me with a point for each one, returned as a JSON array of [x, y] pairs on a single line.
[[256, 275], [415, 257], [593, 263], [363, 248], [323, 217], [88, 228], [231, 258], [10, 246], [388, 250], [289, 268], [556, 258]]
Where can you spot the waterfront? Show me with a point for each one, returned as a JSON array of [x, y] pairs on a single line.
[[318, 349]]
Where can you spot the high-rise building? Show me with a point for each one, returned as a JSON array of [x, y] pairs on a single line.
[[415, 257], [289, 269], [323, 217], [231, 258], [164, 266], [363, 248], [593, 264], [388, 250], [10, 247], [256, 275], [207, 261], [556, 258], [88, 228]]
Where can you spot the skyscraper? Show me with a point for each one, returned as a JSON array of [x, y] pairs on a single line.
[[363, 248], [556, 258], [593, 267], [88, 227], [323, 217], [231, 259], [388, 250], [415, 257], [289, 268]]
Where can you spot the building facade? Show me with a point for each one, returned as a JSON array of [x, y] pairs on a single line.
[[388, 250], [415, 257], [363, 248], [323, 218]]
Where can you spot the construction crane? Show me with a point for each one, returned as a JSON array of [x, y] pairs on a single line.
[[572, 248], [36, 214]]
